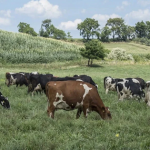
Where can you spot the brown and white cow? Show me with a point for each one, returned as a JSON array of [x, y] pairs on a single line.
[[69, 95]]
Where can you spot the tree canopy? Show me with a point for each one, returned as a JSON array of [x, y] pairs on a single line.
[[88, 28], [93, 50], [25, 28]]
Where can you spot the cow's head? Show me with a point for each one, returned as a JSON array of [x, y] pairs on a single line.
[[8, 79], [4, 101], [147, 86], [105, 113]]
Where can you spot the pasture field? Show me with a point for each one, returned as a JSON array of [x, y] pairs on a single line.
[[26, 125], [130, 47]]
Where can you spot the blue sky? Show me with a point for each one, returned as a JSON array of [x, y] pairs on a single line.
[[66, 14]]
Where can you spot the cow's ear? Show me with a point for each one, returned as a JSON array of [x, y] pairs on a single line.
[[103, 109]]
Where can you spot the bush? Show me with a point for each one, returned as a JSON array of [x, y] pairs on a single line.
[[119, 54]]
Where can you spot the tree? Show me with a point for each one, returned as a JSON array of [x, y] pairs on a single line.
[[49, 30], [148, 29], [59, 34], [116, 25], [130, 32], [69, 37], [25, 28], [44, 31], [140, 29], [105, 33], [88, 28], [93, 50]]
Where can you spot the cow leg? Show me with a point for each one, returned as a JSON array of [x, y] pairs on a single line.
[[79, 112], [120, 96], [50, 111], [106, 91], [85, 111]]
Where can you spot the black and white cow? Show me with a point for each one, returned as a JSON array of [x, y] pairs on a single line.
[[129, 88], [4, 101], [86, 78], [16, 78], [110, 83], [37, 82]]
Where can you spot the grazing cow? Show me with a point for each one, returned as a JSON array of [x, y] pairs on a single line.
[[4, 101], [142, 82], [86, 78], [37, 82], [110, 83], [129, 88], [147, 93], [69, 95], [15, 78]]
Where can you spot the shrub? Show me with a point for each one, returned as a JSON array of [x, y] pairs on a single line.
[[119, 54]]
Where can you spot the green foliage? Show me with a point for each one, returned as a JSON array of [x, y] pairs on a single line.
[[93, 50], [23, 48], [88, 28], [140, 29], [49, 30], [119, 54], [25, 28]]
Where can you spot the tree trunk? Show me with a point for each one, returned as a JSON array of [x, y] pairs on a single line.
[[88, 61], [91, 62]]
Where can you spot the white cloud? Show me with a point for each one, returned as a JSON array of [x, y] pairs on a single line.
[[5, 13], [4, 21], [138, 15], [123, 5], [41, 8], [70, 25], [144, 2], [83, 11], [102, 19]]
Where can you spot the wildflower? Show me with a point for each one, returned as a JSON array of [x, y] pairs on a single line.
[[117, 135]]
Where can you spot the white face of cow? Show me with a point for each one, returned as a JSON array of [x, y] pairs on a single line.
[[109, 85]]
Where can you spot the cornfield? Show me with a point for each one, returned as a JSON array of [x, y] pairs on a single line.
[[24, 48]]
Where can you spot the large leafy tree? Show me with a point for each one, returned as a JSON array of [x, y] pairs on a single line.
[[140, 29], [25, 28], [117, 26], [49, 30], [105, 33], [88, 28], [93, 50]]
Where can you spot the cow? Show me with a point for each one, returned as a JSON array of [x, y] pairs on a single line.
[[86, 78], [15, 78], [147, 93], [4, 101], [129, 88], [37, 82], [69, 95], [142, 82], [110, 83]]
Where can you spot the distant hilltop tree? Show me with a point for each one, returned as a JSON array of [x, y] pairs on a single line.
[[25, 28]]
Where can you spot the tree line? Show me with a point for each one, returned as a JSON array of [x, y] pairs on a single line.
[[115, 29]]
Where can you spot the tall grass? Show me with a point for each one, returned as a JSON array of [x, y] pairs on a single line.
[[23, 48]]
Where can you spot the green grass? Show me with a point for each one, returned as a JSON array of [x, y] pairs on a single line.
[[130, 47], [26, 125]]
